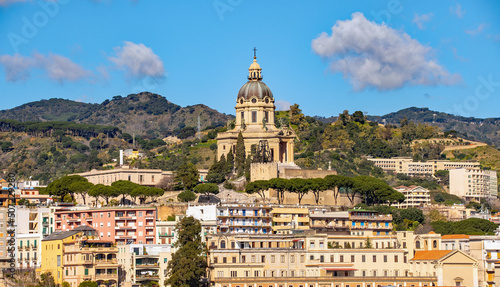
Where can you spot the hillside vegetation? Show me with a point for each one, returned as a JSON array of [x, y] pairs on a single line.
[[146, 114]]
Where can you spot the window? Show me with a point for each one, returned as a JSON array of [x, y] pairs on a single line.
[[374, 258], [102, 224], [311, 257], [292, 258], [363, 258], [273, 258], [341, 258], [216, 259], [396, 258], [109, 224], [224, 260], [302, 258], [109, 214], [242, 116], [282, 258], [263, 259], [266, 116], [385, 258], [223, 244], [86, 271], [254, 116], [311, 244], [234, 259], [352, 258], [321, 244], [256, 274]]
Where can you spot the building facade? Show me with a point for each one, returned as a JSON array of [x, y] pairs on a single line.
[[473, 183], [407, 166], [289, 219], [121, 225], [415, 196], [251, 219]]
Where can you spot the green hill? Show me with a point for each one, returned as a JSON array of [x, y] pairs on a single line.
[[143, 114]]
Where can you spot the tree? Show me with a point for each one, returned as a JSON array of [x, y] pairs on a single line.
[[358, 117], [443, 176], [186, 196], [280, 185], [259, 187], [65, 284], [124, 187], [104, 191], [206, 188], [368, 243], [188, 264], [299, 186], [82, 188], [140, 191], [46, 280], [228, 168], [317, 185], [88, 284], [62, 186], [240, 156], [332, 183], [187, 174]]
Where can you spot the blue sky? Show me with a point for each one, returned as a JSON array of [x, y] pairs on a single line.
[[327, 56]]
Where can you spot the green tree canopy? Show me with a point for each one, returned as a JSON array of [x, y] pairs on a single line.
[[206, 188], [188, 264]]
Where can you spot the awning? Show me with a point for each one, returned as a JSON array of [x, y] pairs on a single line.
[[339, 269], [295, 240]]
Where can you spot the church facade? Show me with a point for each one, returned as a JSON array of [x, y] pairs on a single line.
[[255, 120]]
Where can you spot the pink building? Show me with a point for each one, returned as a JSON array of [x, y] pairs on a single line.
[[121, 225]]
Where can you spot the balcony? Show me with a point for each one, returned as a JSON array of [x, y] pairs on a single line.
[[147, 277], [150, 227], [124, 227], [106, 276], [106, 262], [147, 266]]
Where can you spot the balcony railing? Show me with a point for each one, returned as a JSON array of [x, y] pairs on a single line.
[[106, 261]]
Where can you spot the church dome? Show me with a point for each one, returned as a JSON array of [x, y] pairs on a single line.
[[255, 89]]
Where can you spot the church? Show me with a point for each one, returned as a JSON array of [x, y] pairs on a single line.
[[255, 120]]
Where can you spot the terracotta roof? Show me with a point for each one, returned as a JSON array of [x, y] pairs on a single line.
[[455, 236], [430, 254], [432, 232]]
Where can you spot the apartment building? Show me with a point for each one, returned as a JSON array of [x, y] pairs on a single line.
[[121, 225], [86, 257], [289, 219], [369, 222], [4, 237], [415, 196], [53, 250], [336, 222], [407, 166], [305, 260], [486, 250], [143, 264], [473, 183], [251, 219]]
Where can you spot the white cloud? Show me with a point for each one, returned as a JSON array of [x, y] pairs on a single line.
[[56, 67], [421, 19], [17, 67], [138, 60], [375, 55], [457, 10], [282, 105], [476, 31]]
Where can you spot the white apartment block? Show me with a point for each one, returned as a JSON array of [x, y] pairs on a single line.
[[32, 225], [473, 183], [415, 196], [407, 166], [143, 263]]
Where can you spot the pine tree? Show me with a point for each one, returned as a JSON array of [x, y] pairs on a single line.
[[188, 264], [239, 160], [229, 163]]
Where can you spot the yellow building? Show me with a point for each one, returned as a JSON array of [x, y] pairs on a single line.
[[255, 120], [88, 258], [53, 250], [287, 219]]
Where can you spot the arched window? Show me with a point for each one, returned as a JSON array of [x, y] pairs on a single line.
[[222, 244], [417, 245]]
